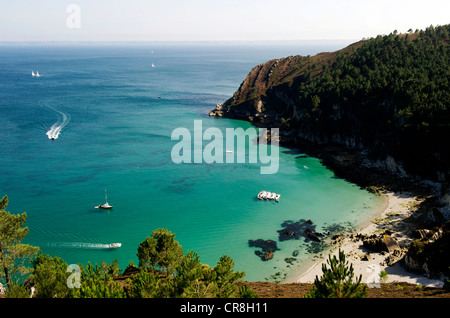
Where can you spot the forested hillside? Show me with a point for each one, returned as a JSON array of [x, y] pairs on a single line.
[[388, 95]]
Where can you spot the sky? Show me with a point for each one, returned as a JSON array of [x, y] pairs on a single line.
[[213, 20]]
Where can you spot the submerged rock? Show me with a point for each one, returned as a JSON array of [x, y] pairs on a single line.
[[268, 247], [296, 230], [290, 260]]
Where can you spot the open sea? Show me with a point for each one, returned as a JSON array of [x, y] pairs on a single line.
[[113, 109]]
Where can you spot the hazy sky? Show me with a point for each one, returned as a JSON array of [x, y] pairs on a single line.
[[155, 20]]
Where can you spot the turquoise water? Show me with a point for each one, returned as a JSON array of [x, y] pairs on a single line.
[[117, 113]]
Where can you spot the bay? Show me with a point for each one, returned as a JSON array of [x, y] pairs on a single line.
[[117, 112]]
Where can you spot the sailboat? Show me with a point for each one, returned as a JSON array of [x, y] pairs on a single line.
[[106, 205], [37, 74], [153, 65], [32, 74]]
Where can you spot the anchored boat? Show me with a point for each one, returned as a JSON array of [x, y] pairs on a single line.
[[265, 195], [106, 205]]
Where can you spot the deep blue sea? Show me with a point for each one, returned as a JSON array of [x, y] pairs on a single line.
[[115, 113]]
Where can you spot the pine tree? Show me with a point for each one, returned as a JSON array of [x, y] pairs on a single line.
[[337, 281], [13, 254]]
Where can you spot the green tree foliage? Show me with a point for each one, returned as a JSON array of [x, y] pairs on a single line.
[[98, 282], [392, 93], [160, 251], [166, 272], [49, 276], [13, 254], [145, 284], [225, 276], [388, 95], [337, 281]]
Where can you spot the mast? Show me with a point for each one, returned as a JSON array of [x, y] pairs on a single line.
[[106, 197]]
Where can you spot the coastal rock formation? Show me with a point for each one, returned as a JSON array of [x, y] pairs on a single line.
[[291, 231], [369, 97], [217, 111], [296, 230], [268, 248], [430, 253], [380, 244]]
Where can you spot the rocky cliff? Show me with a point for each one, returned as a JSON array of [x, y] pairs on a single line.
[[387, 97]]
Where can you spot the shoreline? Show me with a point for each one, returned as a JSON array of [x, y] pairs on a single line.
[[399, 206], [402, 192]]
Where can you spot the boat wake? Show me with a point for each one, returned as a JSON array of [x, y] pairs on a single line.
[[57, 127], [81, 245]]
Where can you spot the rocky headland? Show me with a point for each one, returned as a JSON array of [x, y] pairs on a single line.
[[363, 111]]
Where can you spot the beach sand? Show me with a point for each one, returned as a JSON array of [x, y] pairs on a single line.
[[398, 207]]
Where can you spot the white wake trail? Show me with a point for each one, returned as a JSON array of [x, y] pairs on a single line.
[[56, 128], [79, 245]]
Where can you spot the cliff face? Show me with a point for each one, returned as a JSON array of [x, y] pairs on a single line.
[[388, 97]]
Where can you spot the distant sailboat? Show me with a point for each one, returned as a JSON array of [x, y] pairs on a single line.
[[153, 65], [32, 74], [106, 205], [37, 74]]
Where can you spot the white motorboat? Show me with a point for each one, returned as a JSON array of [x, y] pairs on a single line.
[[115, 245]]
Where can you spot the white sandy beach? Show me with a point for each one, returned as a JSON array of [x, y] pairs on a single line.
[[397, 207]]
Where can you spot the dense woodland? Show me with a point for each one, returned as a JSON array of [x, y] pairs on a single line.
[[389, 95]]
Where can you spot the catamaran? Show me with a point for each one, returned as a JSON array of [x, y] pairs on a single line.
[[106, 205]]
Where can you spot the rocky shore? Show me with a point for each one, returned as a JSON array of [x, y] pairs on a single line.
[[413, 207], [383, 246]]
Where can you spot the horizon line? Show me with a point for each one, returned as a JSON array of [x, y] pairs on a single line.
[[169, 41]]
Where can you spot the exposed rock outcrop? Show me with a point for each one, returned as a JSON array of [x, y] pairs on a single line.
[[380, 244], [430, 253]]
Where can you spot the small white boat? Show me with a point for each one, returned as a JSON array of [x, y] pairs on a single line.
[[37, 74], [106, 205], [32, 74], [153, 65], [261, 195], [265, 195], [115, 245]]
